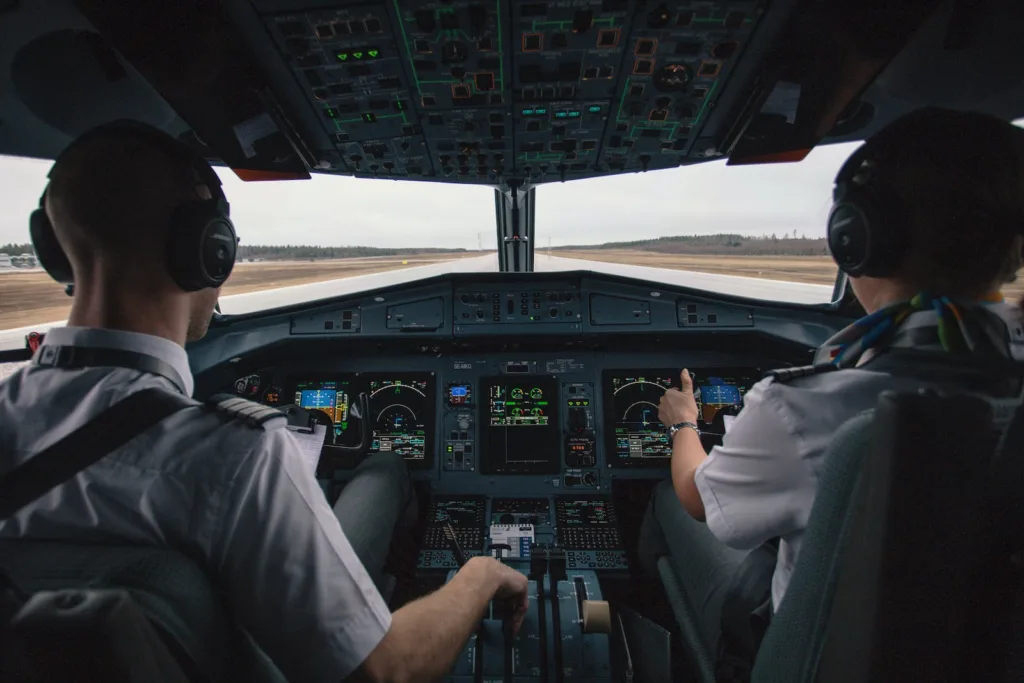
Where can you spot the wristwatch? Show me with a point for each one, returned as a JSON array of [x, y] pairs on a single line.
[[674, 429]]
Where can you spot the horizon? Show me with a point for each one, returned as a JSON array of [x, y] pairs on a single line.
[[641, 240]]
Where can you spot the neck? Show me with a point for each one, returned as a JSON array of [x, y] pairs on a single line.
[[114, 305], [886, 294]]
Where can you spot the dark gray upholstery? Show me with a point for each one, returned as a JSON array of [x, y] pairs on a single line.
[[910, 569], [169, 588], [84, 634], [789, 650]]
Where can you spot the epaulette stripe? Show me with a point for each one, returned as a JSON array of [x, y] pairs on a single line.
[[784, 375], [253, 414]]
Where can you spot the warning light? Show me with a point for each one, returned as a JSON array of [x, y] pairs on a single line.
[[342, 56], [594, 109], [541, 111], [574, 114], [369, 118], [357, 55], [528, 112], [561, 114], [373, 53]]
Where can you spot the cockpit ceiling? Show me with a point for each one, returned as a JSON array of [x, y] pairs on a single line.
[[498, 92]]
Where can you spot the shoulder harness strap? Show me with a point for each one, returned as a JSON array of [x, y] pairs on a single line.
[[784, 375], [253, 414]]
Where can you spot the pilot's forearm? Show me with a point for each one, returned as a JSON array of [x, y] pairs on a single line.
[[687, 455], [429, 634]]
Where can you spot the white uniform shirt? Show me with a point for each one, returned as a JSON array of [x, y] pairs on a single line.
[[239, 497], [762, 481]]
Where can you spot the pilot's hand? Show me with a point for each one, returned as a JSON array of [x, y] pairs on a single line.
[[510, 586], [678, 405]]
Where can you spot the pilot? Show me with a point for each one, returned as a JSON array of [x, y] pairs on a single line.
[[944, 191], [236, 497]]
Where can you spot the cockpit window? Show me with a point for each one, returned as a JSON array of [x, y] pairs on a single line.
[[754, 231]]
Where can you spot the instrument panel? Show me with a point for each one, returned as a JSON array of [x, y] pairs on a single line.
[[401, 410], [560, 423]]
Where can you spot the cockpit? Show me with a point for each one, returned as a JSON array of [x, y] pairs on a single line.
[[519, 380]]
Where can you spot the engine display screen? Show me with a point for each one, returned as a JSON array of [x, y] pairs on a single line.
[[331, 397], [402, 413], [520, 425], [636, 437]]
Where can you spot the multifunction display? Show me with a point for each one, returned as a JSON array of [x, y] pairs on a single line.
[[519, 416]]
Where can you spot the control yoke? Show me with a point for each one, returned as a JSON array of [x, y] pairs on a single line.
[[359, 412]]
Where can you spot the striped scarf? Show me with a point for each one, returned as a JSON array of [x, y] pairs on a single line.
[[924, 322]]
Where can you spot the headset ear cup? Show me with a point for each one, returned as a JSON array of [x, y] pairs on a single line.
[[201, 248], [848, 238], [867, 231], [49, 253]]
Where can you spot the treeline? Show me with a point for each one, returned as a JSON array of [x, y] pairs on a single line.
[[288, 252], [306, 253], [721, 245]]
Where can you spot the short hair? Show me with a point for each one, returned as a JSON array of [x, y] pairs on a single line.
[[961, 177], [115, 192]]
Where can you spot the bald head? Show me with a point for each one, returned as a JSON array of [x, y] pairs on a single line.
[[113, 195], [111, 199]]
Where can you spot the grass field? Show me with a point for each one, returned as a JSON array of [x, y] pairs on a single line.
[[817, 270], [31, 297]]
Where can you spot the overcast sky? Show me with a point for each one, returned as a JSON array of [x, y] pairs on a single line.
[[338, 211]]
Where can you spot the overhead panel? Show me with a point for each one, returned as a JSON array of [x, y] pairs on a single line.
[[486, 91]]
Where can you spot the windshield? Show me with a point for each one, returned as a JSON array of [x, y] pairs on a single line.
[[754, 231]]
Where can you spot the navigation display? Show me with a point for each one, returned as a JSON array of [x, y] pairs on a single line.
[[636, 437], [401, 410], [520, 425], [331, 397]]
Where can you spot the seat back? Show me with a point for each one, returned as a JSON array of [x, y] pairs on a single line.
[[906, 571], [84, 635], [787, 653], [930, 579], [171, 590]]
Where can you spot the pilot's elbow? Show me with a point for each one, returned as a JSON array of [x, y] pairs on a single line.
[[381, 666], [689, 497]]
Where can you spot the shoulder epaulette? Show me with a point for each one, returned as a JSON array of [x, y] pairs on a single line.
[[252, 413], [784, 375]]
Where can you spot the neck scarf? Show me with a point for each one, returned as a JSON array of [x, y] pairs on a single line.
[[924, 322]]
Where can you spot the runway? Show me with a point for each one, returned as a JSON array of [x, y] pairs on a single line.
[[756, 288]]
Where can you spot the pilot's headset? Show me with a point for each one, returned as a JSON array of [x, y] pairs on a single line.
[[868, 228], [202, 243]]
